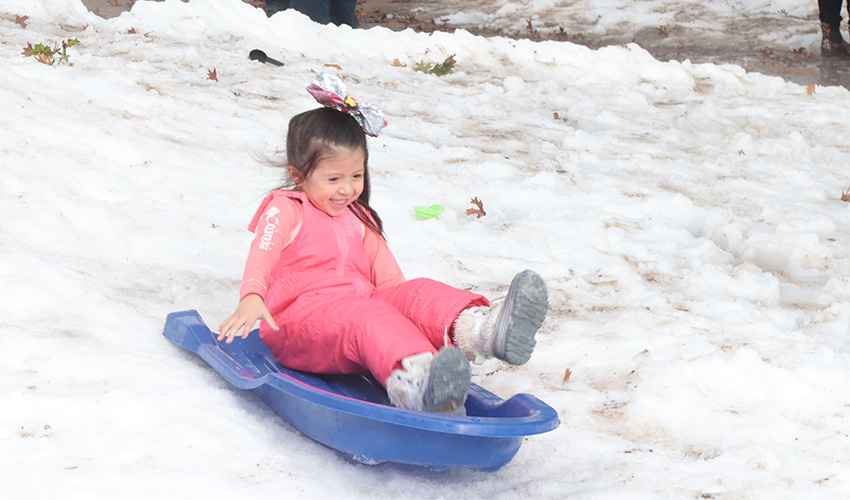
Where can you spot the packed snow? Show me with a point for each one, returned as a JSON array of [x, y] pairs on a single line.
[[686, 217], [615, 17], [714, 30]]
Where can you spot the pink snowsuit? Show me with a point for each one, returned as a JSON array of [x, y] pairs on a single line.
[[331, 315]]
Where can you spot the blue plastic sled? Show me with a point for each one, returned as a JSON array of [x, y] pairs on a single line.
[[351, 413]]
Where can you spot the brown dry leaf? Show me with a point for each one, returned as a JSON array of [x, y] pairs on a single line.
[[662, 30], [811, 89], [556, 116], [397, 63], [845, 196], [44, 60], [132, 31], [21, 21], [212, 75], [27, 50], [337, 66], [476, 211], [567, 374]]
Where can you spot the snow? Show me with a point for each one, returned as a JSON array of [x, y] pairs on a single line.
[[687, 219], [624, 20]]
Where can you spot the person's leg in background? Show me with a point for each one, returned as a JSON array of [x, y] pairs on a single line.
[[343, 12], [317, 10], [274, 6], [832, 43]]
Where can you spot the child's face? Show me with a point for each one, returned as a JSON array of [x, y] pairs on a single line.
[[335, 182]]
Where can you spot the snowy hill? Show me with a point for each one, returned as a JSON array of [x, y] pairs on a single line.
[[687, 219]]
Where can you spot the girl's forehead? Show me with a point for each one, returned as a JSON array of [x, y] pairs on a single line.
[[350, 160], [336, 151]]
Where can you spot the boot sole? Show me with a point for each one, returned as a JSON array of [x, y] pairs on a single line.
[[448, 382], [521, 316]]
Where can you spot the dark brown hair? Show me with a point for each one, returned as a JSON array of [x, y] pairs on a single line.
[[321, 133]]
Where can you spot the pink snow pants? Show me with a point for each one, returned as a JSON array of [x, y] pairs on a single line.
[[353, 328]]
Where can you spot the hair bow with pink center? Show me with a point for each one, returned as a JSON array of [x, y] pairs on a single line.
[[330, 92]]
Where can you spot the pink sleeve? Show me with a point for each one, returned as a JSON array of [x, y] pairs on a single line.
[[275, 229], [385, 269]]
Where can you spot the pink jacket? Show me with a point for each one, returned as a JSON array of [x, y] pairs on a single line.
[[279, 221], [338, 295]]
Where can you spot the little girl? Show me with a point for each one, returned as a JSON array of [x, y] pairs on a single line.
[[331, 295]]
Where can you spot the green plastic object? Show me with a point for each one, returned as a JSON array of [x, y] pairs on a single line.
[[432, 212]]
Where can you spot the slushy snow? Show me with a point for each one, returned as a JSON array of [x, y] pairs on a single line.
[[686, 218]]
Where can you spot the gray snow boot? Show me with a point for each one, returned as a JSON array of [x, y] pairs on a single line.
[[506, 329], [448, 385], [434, 383]]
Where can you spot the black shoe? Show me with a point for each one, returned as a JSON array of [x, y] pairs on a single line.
[[832, 44]]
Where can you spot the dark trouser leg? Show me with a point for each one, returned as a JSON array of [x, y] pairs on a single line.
[[274, 6], [829, 11], [317, 10], [832, 43], [343, 12]]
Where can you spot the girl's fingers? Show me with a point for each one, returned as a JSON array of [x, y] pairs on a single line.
[[231, 333], [227, 330], [270, 321], [231, 326]]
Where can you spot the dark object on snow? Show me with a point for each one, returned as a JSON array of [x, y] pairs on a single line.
[[259, 55], [352, 413]]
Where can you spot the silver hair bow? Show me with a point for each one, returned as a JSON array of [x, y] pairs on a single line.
[[330, 92]]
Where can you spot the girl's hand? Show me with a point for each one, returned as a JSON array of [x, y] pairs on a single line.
[[250, 309]]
